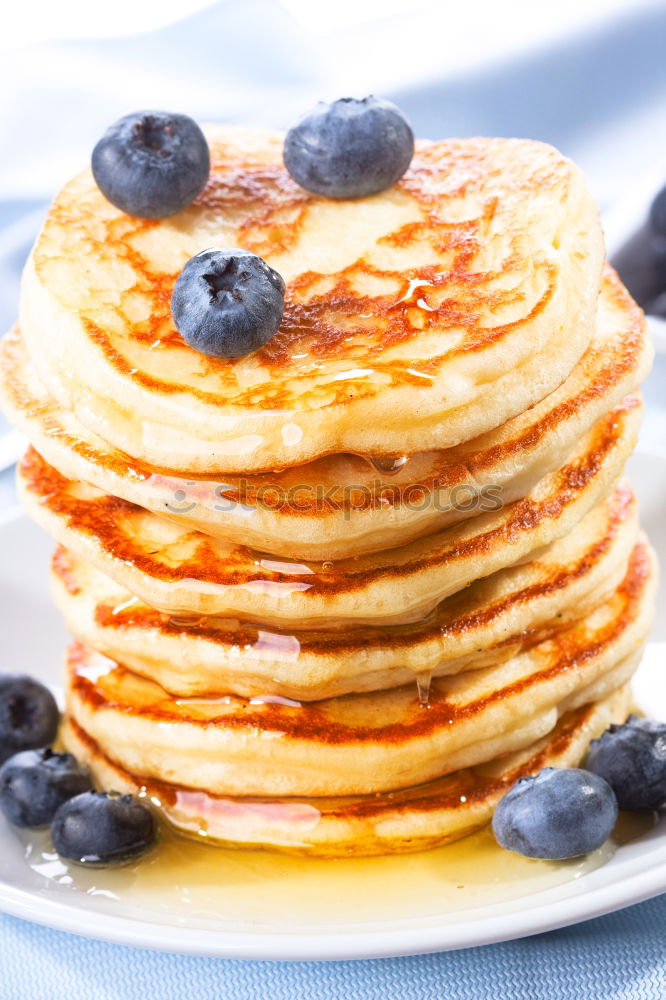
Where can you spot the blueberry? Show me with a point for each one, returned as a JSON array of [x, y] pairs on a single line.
[[102, 827], [350, 148], [151, 164], [556, 814], [658, 213], [658, 229], [28, 715], [657, 307], [632, 759], [227, 303], [35, 783]]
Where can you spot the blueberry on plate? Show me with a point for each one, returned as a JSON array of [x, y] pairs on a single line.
[[35, 783], [151, 164], [101, 827], [632, 759], [556, 814], [28, 715], [227, 303], [350, 148]]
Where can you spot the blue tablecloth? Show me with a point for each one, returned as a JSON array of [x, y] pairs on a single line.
[[618, 957], [598, 99]]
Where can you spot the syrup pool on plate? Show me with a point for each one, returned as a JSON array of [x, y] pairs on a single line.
[[195, 881]]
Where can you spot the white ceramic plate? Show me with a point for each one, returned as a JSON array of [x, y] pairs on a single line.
[[32, 640]]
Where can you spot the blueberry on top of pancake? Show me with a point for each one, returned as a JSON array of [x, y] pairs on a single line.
[[350, 148], [151, 164], [227, 303]]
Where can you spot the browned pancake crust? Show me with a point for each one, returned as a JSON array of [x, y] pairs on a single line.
[[408, 819], [116, 525], [471, 785], [323, 314], [451, 616], [317, 723]]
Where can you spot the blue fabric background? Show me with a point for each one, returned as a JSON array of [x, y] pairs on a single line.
[[620, 956]]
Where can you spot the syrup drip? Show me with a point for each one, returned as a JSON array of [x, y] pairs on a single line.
[[125, 606], [423, 683], [274, 699], [277, 645], [187, 621], [387, 465]]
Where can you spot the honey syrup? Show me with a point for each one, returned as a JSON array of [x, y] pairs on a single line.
[[194, 881]]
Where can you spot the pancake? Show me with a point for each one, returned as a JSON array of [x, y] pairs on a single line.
[[413, 819], [415, 319], [181, 571], [342, 505], [486, 623], [362, 743]]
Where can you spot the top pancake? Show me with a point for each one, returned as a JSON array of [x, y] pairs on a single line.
[[414, 319]]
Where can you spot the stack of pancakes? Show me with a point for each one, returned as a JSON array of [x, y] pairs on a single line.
[[338, 595]]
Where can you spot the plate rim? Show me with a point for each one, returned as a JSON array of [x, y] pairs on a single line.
[[414, 938]]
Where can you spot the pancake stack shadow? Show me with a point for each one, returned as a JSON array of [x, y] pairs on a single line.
[[337, 597]]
